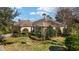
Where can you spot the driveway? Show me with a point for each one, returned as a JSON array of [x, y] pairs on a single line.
[[2, 48], [1, 37]]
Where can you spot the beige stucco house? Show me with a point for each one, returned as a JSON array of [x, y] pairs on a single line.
[[44, 23], [24, 24], [48, 22]]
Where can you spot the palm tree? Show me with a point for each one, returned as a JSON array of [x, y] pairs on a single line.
[[44, 14], [49, 17]]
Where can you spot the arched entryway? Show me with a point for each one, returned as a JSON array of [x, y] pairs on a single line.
[[28, 28], [24, 32]]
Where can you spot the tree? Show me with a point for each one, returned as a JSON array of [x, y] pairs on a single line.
[[37, 31], [76, 18], [44, 15], [48, 16], [68, 15], [6, 16], [25, 32], [65, 16], [16, 31], [50, 32], [72, 42], [66, 31], [59, 33]]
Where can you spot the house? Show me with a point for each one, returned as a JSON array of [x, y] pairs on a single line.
[[24, 24], [44, 23]]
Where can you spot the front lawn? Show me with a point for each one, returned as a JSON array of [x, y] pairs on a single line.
[[27, 44]]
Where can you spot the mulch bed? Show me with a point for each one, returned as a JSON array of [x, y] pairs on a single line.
[[35, 38]]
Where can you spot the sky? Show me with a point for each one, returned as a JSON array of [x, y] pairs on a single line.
[[34, 13]]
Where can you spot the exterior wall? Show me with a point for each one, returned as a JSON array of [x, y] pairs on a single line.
[[29, 28], [54, 28], [61, 28]]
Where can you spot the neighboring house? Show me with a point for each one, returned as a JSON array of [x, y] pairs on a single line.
[[24, 24], [44, 23]]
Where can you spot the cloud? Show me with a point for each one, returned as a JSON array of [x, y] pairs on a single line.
[[41, 12], [18, 7], [32, 19], [38, 13], [46, 9], [32, 13]]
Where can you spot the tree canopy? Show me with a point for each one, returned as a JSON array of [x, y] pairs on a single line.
[[6, 16]]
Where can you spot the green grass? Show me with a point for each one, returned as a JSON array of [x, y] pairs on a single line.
[[27, 44]]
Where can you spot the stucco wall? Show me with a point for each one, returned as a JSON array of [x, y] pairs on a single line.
[[29, 28], [61, 28], [54, 28]]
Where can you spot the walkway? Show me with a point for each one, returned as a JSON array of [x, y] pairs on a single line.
[[2, 48], [1, 37]]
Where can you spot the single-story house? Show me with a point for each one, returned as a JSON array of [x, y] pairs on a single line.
[[44, 23], [24, 24]]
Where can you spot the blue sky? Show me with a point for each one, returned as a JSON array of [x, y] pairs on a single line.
[[34, 13]]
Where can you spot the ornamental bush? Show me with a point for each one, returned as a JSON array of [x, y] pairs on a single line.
[[72, 42], [25, 32], [37, 31], [59, 33], [66, 31], [44, 33], [16, 31], [50, 32]]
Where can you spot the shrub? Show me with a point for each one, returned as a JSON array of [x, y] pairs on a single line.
[[24, 32], [42, 33], [59, 32], [50, 32], [72, 42], [37, 32], [16, 31], [66, 31]]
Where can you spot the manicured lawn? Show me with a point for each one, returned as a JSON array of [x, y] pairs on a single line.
[[27, 44]]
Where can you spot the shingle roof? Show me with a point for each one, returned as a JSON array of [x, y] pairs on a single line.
[[46, 23], [41, 22], [24, 23]]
